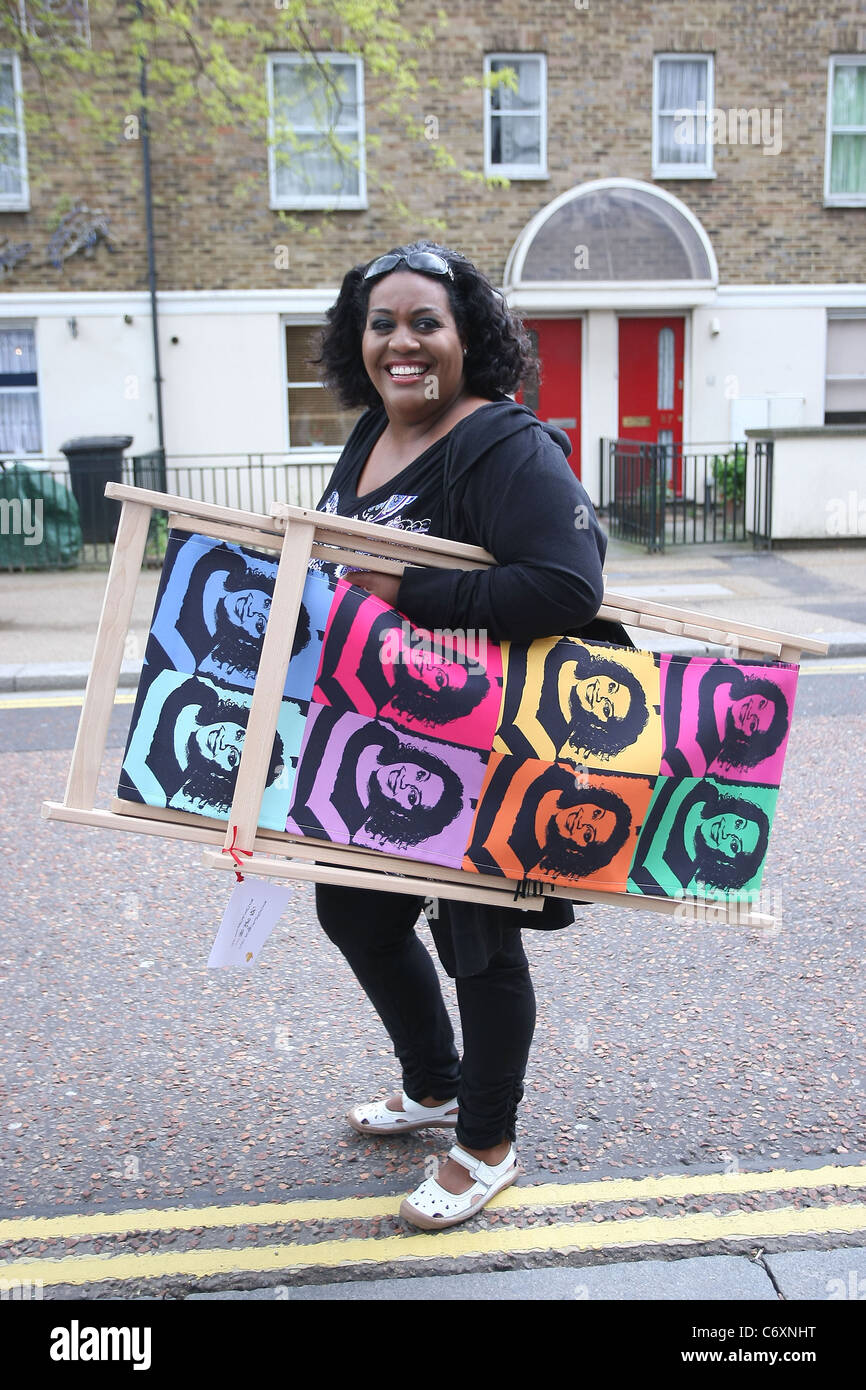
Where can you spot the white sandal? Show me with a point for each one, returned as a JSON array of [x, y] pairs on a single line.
[[431, 1207], [376, 1118]]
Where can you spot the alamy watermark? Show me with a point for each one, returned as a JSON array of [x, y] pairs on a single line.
[[22, 517], [419, 646], [737, 126]]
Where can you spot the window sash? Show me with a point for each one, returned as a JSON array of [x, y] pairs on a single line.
[[534, 66], [13, 147], [681, 82], [845, 155], [320, 176]]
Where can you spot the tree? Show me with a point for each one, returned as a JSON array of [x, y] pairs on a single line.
[[205, 76]]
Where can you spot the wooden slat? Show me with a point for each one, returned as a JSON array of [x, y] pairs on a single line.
[[623, 602], [221, 531], [270, 682], [114, 621]]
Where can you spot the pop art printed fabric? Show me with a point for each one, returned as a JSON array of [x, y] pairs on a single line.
[[575, 763]]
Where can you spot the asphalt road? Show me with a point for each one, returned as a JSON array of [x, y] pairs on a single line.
[[135, 1077]]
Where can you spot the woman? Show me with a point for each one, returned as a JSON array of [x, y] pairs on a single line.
[[422, 339]]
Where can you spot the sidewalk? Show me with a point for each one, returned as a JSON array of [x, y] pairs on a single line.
[[816, 1275], [49, 620]]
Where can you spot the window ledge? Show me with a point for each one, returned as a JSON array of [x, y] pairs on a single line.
[[513, 175], [853, 200], [668, 172], [320, 205], [8, 206]]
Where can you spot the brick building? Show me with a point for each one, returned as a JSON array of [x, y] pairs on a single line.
[[684, 230]]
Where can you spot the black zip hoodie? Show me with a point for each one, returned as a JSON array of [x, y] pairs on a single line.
[[507, 487]]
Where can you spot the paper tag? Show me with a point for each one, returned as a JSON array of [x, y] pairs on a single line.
[[253, 911]]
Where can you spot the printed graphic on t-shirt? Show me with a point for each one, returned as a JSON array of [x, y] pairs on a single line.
[[387, 513]]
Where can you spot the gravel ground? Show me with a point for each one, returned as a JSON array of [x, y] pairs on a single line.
[[133, 1076]]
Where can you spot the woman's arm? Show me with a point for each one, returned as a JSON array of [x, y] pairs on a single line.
[[537, 520]]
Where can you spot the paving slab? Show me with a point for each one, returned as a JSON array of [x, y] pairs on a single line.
[[820, 1274], [724, 1277]]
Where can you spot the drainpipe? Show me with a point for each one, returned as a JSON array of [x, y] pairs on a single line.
[[151, 261]]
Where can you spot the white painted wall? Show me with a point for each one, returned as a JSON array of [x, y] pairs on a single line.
[[100, 382], [223, 383], [600, 385], [761, 351], [818, 487]]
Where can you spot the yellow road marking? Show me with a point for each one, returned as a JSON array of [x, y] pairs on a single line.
[[829, 670], [704, 1227], [356, 1208], [58, 701]]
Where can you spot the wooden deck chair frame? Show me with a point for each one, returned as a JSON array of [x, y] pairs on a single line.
[[297, 534]]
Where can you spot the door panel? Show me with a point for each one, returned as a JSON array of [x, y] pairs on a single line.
[[651, 384], [557, 399]]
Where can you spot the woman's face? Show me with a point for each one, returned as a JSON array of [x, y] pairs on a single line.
[[221, 743], [603, 697], [412, 351], [409, 785], [249, 610], [585, 824], [729, 834], [432, 669], [753, 713]]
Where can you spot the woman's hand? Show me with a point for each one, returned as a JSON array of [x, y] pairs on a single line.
[[384, 586]]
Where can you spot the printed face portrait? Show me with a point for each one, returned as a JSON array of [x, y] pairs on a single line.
[[185, 743], [447, 685], [726, 718], [366, 782], [534, 821], [583, 704], [703, 836]]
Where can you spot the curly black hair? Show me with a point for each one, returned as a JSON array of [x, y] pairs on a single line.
[[500, 354]]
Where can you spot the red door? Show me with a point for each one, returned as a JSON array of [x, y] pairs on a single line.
[[557, 399], [651, 385]]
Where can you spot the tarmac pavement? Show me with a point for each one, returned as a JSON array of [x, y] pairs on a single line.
[[47, 628]]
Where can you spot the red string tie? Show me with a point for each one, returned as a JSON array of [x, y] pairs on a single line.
[[235, 853]]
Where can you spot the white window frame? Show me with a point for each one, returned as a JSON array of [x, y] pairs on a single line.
[[683, 171], [16, 202], [82, 22], [516, 171], [331, 202], [839, 200], [30, 325], [329, 452]]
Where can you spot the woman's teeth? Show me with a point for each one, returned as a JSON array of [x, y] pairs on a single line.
[[405, 371]]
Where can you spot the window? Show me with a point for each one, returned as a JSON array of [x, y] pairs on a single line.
[[316, 418], [845, 160], [845, 398], [19, 394], [316, 131], [14, 191], [515, 118], [61, 19], [682, 116]]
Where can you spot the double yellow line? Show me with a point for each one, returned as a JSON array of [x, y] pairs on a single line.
[[704, 1228]]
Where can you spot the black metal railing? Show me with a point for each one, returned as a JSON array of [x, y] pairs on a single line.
[[667, 494], [54, 517]]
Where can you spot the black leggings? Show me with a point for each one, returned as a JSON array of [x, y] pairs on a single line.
[[376, 934]]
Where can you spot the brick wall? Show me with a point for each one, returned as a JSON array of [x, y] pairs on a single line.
[[763, 214]]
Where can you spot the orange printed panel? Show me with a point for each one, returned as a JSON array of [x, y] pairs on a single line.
[[541, 821]]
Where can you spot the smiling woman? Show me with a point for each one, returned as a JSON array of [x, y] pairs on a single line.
[[422, 339]]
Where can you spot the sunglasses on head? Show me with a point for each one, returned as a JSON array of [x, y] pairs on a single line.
[[427, 261]]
